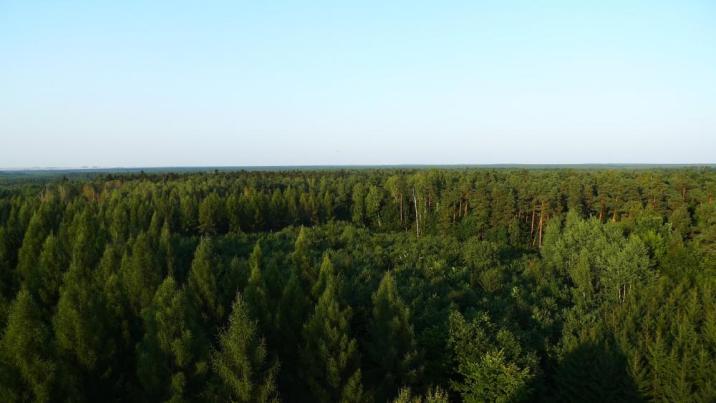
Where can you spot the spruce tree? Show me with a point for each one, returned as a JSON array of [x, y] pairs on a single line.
[[173, 354], [289, 322], [391, 351], [141, 273], [330, 357], [241, 364], [32, 243], [325, 274], [301, 259], [256, 292], [27, 349], [48, 275], [203, 284]]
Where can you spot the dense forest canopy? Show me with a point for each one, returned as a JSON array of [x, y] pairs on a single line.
[[403, 285]]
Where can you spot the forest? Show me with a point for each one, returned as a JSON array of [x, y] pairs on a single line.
[[360, 285]]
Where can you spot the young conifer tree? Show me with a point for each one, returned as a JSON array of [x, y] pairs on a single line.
[[241, 365]]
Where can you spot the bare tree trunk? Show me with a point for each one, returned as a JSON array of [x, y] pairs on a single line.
[[541, 222], [532, 226], [417, 215]]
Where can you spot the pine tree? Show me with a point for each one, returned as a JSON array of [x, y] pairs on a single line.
[[48, 278], [211, 215], [241, 363], [32, 243], [82, 329], [80, 319], [27, 349], [330, 356], [172, 356], [233, 213], [705, 233], [203, 285], [301, 259], [325, 275], [358, 198], [392, 351], [8, 276], [256, 289], [166, 248], [141, 273], [289, 322]]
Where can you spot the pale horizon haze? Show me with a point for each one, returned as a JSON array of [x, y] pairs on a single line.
[[219, 83]]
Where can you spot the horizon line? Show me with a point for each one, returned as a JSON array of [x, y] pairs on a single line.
[[340, 166]]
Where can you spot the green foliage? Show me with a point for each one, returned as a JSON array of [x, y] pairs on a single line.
[[392, 350], [330, 357], [490, 362], [27, 350], [436, 395], [241, 362], [47, 278], [211, 214], [140, 273], [172, 351], [419, 285], [256, 287], [203, 283]]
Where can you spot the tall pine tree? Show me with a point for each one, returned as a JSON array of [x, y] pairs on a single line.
[[391, 350], [331, 362]]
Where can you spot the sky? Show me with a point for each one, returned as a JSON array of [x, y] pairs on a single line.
[[231, 83]]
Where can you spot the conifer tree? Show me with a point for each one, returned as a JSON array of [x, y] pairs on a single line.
[[166, 248], [203, 285], [48, 275], [233, 213], [330, 356], [27, 349], [241, 364], [32, 243], [173, 355], [80, 319], [8, 275], [301, 259], [82, 329], [141, 273], [211, 215], [325, 275], [392, 351], [289, 322], [256, 289]]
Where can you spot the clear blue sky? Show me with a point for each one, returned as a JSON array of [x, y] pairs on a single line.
[[157, 83]]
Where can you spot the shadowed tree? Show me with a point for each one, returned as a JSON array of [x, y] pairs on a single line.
[[202, 283], [173, 355], [330, 359], [27, 349], [391, 349]]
